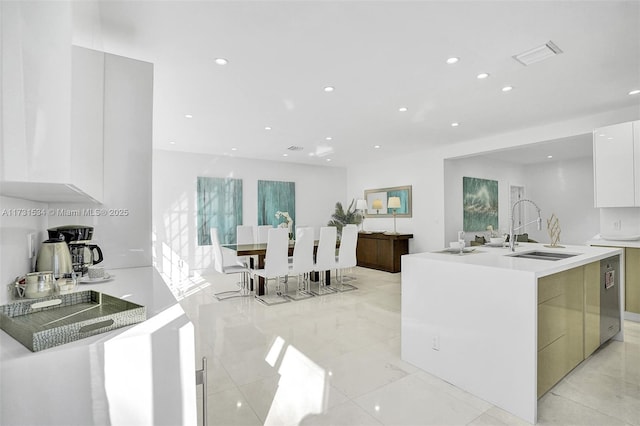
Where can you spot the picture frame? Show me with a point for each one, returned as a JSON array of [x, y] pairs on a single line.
[[383, 194]]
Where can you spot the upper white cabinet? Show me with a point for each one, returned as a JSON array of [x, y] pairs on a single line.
[[52, 100], [616, 160]]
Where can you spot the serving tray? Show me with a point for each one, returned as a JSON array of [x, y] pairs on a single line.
[[55, 320]]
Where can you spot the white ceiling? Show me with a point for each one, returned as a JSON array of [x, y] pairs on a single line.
[[379, 56]]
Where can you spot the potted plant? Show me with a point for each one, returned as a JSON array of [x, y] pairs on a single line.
[[342, 217]]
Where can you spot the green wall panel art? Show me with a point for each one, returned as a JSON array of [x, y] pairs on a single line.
[[480, 204], [276, 196], [219, 206]]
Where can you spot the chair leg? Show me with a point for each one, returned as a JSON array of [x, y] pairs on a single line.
[[276, 300], [301, 293], [323, 288], [342, 286], [244, 291]]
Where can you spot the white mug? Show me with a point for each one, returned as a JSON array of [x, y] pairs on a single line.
[[95, 272]]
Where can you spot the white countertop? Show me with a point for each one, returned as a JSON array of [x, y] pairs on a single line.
[[599, 241], [93, 380], [143, 286], [499, 257]]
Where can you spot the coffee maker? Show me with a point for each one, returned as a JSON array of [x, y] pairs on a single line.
[[78, 237]]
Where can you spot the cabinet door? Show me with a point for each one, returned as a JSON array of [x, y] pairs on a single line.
[[632, 280], [560, 326], [591, 308], [613, 158], [636, 157]]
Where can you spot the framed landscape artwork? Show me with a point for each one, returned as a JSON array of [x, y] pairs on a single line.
[[479, 204]]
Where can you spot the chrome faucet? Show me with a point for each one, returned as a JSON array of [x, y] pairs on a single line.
[[512, 229]]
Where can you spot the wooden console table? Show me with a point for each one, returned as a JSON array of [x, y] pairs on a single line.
[[382, 251]]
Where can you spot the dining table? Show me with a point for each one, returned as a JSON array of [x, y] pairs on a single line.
[[259, 251]]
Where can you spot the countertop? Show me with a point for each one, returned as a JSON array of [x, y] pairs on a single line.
[[498, 257], [599, 241], [93, 380], [143, 286]]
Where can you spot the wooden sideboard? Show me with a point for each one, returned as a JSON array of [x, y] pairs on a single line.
[[382, 251]]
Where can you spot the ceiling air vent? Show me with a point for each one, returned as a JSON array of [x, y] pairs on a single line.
[[538, 54], [295, 148]]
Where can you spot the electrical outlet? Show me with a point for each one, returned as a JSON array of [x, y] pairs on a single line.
[[435, 343]]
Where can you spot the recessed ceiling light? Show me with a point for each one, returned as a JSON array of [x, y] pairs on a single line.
[[234, 149], [376, 146], [285, 155], [549, 156], [329, 89], [172, 142], [482, 75], [328, 138], [328, 160], [403, 109], [221, 61], [455, 124], [507, 88], [452, 60], [188, 116], [267, 127], [634, 92]]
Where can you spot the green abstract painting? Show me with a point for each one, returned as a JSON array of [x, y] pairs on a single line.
[[274, 196], [480, 204], [219, 203]]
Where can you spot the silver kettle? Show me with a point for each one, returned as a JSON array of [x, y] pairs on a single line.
[[54, 256]]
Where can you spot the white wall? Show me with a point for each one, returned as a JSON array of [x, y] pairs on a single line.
[[561, 187], [425, 171], [566, 189], [620, 222], [175, 175], [18, 218], [482, 167]]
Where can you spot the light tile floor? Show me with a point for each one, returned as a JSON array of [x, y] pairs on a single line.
[[335, 360]]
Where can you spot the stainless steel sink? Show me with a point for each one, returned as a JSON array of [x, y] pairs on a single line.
[[543, 255]]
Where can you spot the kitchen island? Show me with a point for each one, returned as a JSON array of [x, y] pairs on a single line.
[[473, 319], [140, 374]]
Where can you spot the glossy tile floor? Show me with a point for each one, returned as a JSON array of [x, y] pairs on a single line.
[[335, 360]]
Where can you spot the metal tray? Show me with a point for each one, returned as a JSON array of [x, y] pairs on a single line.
[[55, 320]]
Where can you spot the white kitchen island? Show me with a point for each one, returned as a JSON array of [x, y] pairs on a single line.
[[142, 374], [472, 319]]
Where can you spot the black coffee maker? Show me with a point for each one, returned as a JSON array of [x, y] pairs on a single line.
[[77, 237]]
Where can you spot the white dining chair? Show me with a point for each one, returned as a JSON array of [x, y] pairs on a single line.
[[263, 233], [346, 258], [276, 265], [325, 258], [301, 263], [223, 267], [244, 234]]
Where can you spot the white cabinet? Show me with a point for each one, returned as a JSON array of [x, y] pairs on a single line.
[[616, 159], [51, 107]]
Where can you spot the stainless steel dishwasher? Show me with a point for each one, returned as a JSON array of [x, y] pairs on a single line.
[[609, 298]]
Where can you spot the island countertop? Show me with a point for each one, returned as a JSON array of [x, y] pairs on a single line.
[[472, 319], [501, 257]]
